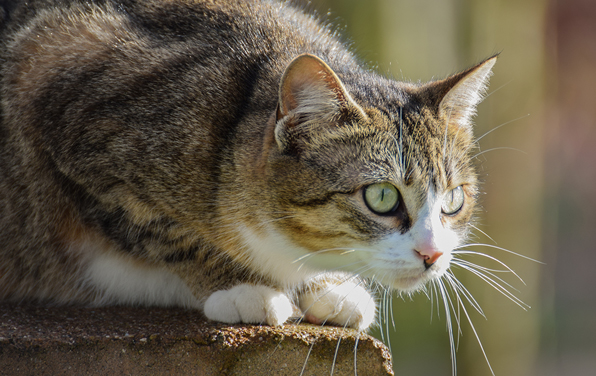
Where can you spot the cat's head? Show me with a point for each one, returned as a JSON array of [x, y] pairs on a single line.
[[372, 176]]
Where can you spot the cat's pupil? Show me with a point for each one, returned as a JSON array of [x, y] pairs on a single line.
[[381, 198], [453, 201]]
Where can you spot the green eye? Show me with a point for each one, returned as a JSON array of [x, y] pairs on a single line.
[[453, 201], [381, 198]]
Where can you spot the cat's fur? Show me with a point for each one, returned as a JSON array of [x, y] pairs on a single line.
[[212, 154]]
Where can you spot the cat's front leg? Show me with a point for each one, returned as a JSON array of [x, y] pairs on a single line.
[[250, 304], [338, 299]]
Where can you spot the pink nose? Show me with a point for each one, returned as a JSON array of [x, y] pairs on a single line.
[[430, 255]]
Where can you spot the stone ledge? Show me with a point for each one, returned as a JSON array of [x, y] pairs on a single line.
[[41, 340]]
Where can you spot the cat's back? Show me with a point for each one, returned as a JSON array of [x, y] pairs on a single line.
[[131, 59], [121, 114]]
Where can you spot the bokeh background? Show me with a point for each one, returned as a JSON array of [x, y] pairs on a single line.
[[540, 179]]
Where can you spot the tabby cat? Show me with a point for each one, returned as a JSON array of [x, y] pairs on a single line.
[[230, 156]]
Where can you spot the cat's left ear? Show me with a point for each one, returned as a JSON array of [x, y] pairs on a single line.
[[460, 93], [310, 92]]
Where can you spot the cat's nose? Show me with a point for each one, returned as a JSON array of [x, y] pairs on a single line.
[[429, 255]]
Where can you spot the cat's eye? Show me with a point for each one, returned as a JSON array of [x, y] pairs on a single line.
[[381, 198], [453, 201]]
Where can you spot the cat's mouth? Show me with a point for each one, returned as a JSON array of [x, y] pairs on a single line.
[[411, 280]]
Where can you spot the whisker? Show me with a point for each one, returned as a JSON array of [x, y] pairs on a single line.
[[433, 296], [497, 286], [464, 252], [382, 318], [401, 146], [497, 148], [391, 311], [307, 357], [477, 338], [483, 233], [501, 249], [441, 288], [355, 354], [445, 136], [499, 126], [465, 292], [347, 250], [339, 340], [335, 355], [310, 254], [386, 310], [497, 89], [455, 309], [465, 263], [343, 267]]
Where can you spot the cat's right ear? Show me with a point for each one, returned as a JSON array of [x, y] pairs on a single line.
[[458, 95], [310, 95]]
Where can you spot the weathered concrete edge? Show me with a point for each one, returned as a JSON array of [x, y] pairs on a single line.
[[134, 341]]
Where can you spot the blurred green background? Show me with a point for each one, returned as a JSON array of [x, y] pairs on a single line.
[[540, 198]]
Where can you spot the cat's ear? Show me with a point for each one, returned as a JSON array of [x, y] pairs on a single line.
[[309, 86], [310, 92], [460, 93]]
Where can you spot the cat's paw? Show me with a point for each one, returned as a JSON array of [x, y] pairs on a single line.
[[338, 300], [250, 304]]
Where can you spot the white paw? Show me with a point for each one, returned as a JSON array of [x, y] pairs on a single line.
[[338, 301], [250, 304]]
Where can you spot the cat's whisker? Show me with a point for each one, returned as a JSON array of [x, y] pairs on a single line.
[[398, 164], [459, 287], [339, 339], [444, 295], [488, 271], [482, 232], [464, 252], [445, 137], [355, 272], [391, 311], [454, 307], [381, 319], [499, 126], [385, 313], [424, 290], [456, 310], [401, 138], [356, 353], [490, 279], [476, 335], [307, 357], [433, 301], [345, 251], [335, 354], [499, 248], [497, 89], [480, 267], [497, 148]]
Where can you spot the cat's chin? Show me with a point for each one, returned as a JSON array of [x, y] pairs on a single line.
[[408, 284], [412, 283]]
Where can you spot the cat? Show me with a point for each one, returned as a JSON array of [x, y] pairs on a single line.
[[230, 156]]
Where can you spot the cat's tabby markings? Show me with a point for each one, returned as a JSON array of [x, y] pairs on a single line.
[[230, 156]]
